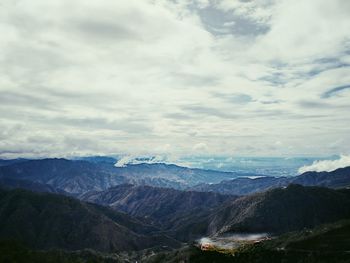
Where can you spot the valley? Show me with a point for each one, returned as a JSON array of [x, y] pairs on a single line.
[[105, 213]]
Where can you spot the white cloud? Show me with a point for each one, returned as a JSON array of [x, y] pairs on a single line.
[[200, 147], [258, 11], [327, 165], [130, 160], [302, 31], [135, 77], [124, 161]]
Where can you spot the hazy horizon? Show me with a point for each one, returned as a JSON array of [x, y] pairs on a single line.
[[254, 165]]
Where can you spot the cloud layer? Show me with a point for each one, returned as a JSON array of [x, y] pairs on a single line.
[[174, 77], [126, 160], [327, 165]]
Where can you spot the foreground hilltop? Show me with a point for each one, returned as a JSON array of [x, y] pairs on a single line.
[[44, 221], [50, 221], [325, 244]]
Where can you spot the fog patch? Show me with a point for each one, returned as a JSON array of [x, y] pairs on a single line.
[[231, 241]]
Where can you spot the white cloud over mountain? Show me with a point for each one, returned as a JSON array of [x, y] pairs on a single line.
[[135, 76], [127, 160], [327, 165]]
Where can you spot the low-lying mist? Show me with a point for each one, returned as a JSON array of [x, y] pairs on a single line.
[[231, 241]]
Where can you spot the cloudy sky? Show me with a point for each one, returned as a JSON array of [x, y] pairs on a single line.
[[221, 77]]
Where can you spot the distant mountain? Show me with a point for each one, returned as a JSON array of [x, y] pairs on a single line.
[[43, 221], [281, 210], [243, 186], [4, 162], [182, 175], [99, 173], [77, 176], [9, 183], [72, 177], [339, 178], [97, 159], [161, 206]]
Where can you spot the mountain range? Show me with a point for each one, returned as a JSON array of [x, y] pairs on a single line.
[[54, 207], [79, 176], [281, 210], [340, 178], [44, 221], [189, 215], [175, 212]]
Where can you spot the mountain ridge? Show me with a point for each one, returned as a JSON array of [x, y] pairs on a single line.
[[58, 221], [79, 176], [164, 207], [339, 178], [282, 210]]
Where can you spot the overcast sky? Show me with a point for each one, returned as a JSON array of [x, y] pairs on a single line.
[[223, 77]]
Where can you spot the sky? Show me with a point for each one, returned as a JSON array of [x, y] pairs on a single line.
[[201, 77]]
